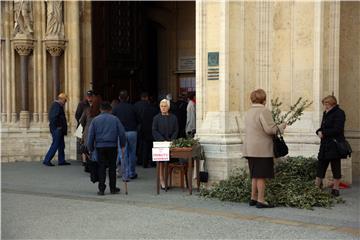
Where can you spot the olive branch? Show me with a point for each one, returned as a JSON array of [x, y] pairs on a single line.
[[291, 116]]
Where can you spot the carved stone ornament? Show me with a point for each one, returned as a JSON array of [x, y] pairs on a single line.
[[23, 17], [23, 46], [55, 47], [54, 24]]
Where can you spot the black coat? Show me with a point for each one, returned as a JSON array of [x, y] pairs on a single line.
[[146, 112], [127, 115], [332, 127], [165, 127]]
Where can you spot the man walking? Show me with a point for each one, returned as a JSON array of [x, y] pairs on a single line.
[[126, 113], [146, 112], [58, 129], [105, 132]]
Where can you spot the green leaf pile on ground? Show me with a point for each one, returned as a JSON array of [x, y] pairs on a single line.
[[293, 186]]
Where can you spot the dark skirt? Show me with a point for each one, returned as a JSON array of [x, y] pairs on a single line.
[[261, 167]]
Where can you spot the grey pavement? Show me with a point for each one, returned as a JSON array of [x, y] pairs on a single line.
[[60, 202]]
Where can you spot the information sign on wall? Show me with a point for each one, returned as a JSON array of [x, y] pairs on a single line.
[[186, 63]]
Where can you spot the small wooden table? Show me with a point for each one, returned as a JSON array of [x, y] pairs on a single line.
[[186, 153]]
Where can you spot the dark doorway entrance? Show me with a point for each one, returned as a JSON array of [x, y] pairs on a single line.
[[125, 54]]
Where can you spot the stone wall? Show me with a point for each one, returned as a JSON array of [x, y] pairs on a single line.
[[290, 49], [31, 144]]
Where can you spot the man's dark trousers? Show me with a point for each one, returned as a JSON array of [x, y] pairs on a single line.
[[57, 144], [107, 159]]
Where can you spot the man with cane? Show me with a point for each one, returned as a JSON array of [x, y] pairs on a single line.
[[104, 134]]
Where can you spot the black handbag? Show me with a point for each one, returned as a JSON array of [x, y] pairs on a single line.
[[203, 174], [343, 148], [279, 146]]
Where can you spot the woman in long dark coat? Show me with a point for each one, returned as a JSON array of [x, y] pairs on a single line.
[[332, 128]]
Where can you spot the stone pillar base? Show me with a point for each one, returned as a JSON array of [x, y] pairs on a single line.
[[36, 117], [24, 119], [13, 118], [3, 117], [45, 117]]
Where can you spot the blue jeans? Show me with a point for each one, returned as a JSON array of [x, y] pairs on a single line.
[[128, 164], [57, 144]]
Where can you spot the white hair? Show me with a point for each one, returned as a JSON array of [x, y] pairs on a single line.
[[165, 101]]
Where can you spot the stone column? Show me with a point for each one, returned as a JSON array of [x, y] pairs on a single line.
[[217, 115], [72, 63], [2, 81], [8, 50], [263, 53], [55, 48], [55, 39], [24, 47]]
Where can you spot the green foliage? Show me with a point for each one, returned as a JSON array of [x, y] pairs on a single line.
[[235, 189], [184, 142], [293, 186], [290, 116]]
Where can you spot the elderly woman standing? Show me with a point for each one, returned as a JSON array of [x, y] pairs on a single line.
[[332, 128], [258, 146], [165, 128]]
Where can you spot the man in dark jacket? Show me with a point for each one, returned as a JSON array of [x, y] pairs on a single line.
[[146, 112], [83, 105], [58, 129], [127, 115], [104, 134]]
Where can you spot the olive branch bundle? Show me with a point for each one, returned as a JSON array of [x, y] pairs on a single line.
[[291, 116]]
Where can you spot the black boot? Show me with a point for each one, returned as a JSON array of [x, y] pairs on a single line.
[[335, 192]]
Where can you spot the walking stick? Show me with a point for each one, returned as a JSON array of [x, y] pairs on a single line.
[[126, 188], [123, 167]]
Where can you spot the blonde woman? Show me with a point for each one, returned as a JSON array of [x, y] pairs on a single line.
[[258, 146], [165, 128], [332, 128]]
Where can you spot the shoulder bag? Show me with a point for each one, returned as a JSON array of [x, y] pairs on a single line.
[[343, 148], [280, 147]]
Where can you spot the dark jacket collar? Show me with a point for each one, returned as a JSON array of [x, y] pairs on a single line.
[[336, 107]]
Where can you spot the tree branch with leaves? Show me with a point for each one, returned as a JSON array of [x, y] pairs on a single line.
[[291, 116]]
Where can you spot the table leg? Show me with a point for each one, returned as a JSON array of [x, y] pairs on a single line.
[[190, 173], [166, 175], [158, 177]]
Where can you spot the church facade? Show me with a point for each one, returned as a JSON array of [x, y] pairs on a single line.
[[221, 49]]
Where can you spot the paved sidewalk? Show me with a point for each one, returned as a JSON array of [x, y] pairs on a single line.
[[61, 203]]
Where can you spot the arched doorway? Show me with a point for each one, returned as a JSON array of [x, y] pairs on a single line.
[[136, 46]]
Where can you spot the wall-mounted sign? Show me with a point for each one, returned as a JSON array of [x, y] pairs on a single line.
[[213, 65], [213, 59], [186, 63]]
